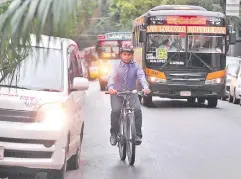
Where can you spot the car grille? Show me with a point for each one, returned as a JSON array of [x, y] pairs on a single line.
[[17, 116], [27, 154]]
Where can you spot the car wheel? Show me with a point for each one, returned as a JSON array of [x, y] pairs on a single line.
[[58, 174], [235, 100], [74, 161], [230, 98], [223, 98]]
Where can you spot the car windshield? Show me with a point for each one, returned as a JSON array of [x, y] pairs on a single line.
[[206, 44], [42, 69]]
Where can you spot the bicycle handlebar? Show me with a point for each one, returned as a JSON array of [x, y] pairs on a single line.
[[125, 92]]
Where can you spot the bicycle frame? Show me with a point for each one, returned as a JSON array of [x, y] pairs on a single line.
[[125, 109]]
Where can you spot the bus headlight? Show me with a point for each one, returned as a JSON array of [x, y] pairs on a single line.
[[215, 81], [156, 80], [104, 69], [53, 115]]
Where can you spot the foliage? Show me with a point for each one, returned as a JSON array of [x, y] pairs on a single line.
[[20, 18], [123, 11]]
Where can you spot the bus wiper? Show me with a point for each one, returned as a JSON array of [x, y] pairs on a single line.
[[210, 68], [18, 87]]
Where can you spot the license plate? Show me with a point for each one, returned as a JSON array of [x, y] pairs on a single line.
[[1, 153], [185, 93]]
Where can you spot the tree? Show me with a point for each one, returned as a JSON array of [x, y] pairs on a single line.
[[124, 12], [20, 18]]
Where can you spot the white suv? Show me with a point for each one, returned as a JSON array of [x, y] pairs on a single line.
[[41, 123], [235, 87]]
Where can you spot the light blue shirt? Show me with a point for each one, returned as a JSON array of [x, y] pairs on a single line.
[[135, 72]]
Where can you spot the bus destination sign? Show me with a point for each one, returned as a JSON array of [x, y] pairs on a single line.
[[118, 36]]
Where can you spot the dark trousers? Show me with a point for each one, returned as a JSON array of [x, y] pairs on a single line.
[[116, 104]]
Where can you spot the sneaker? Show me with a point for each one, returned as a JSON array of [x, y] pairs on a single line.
[[113, 139], [138, 140]]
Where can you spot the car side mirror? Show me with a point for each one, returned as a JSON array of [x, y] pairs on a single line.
[[142, 36], [80, 84]]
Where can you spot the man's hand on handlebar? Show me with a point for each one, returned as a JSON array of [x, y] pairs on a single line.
[[112, 91], [146, 91]]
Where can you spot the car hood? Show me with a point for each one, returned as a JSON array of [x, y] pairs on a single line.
[[28, 100]]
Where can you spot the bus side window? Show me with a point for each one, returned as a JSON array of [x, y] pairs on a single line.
[[133, 39]]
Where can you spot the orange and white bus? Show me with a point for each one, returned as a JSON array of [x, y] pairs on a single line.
[[183, 52]]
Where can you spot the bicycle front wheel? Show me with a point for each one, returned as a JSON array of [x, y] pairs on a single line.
[[122, 142], [131, 137]]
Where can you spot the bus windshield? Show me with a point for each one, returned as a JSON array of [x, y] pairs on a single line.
[[171, 43], [109, 50], [184, 51], [206, 44]]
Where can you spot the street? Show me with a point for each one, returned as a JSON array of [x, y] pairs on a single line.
[[179, 142]]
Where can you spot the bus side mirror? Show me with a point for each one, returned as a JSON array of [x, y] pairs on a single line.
[[232, 38], [142, 36]]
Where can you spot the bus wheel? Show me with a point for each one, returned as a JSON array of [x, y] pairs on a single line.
[[191, 100], [102, 87], [147, 100], [201, 100], [212, 102]]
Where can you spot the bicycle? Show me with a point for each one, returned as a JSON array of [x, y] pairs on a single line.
[[126, 137]]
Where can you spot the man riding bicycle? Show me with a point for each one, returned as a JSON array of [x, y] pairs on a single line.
[[122, 78]]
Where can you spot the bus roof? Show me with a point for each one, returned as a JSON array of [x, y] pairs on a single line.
[[180, 10], [177, 7], [185, 12]]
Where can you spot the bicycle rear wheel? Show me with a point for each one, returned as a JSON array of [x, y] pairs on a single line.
[[131, 138], [122, 142]]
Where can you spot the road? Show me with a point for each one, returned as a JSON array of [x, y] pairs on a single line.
[[180, 142]]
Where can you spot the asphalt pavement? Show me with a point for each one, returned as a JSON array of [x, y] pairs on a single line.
[[180, 141]]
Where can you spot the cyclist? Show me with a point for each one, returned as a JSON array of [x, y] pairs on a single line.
[[123, 77]]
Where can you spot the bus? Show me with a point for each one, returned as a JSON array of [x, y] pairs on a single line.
[[108, 52], [182, 50]]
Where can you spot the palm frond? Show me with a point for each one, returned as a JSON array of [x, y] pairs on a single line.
[[20, 18]]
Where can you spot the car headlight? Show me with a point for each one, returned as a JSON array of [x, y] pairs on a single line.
[[53, 115], [156, 80], [215, 81]]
